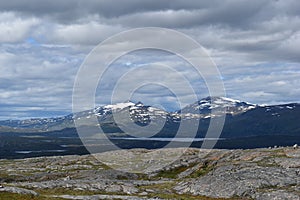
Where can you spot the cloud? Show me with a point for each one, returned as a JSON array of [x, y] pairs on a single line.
[[42, 45], [175, 14], [155, 77], [13, 28], [36, 77], [82, 34], [277, 84]]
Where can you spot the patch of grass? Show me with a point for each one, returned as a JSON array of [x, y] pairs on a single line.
[[71, 191], [268, 162], [191, 197], [288, 188], [122, 177], [203, 170], [13, 196], [141, 176], [104, 166], [4, 177], [97, 165], [63, 191], [159, 187], [69, 162], [172, 173]]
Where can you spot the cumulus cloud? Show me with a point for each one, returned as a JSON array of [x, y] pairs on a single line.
[[13, 28]]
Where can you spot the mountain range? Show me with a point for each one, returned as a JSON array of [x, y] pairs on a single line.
[[242, 119], [246, 126]]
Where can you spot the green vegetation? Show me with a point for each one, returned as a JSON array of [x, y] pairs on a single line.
[[64, 191], [190, 197], [172, 173], [12, 196], [202, 170]]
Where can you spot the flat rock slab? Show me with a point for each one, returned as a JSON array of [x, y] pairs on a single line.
[[18, 190], [276, 195], [98, 197]]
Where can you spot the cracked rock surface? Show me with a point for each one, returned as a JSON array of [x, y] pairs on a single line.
[[198, 174]]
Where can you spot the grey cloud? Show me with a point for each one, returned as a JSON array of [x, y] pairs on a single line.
[[80, 8], [255, 44], [165, 13], [229, 13]]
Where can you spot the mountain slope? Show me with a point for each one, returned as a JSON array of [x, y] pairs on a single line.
[[242, 119], [205, 106]]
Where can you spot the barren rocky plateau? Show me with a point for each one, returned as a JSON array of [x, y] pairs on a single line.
[[266, 173]]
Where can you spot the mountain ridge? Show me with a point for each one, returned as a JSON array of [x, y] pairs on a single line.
[[246, 126], [143, 113]]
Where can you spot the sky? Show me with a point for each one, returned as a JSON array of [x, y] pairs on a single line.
[[43, 44]]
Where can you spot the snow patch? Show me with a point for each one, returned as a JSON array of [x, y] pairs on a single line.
[[119, 106]]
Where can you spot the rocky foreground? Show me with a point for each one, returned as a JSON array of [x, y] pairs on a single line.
[[197, 174]]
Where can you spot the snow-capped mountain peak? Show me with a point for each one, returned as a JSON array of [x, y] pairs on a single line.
[[119, 105], [205, 105], [143, 114]]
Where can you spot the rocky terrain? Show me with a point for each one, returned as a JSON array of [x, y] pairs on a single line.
[[272, 173]]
